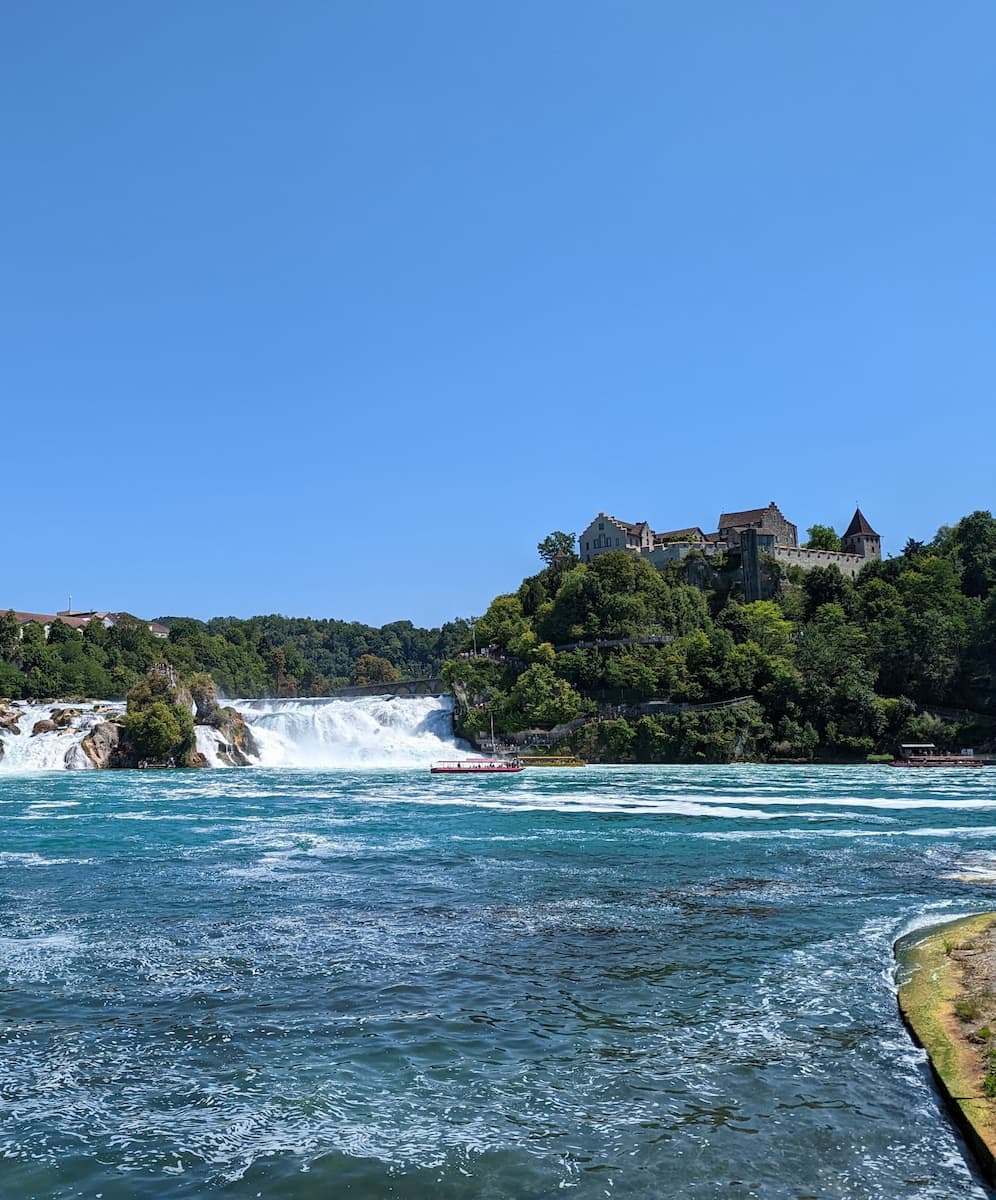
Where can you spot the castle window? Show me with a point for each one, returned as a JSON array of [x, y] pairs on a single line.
[[600, 528]]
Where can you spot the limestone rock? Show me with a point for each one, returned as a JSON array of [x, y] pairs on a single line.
[[64, 717], [43, 727], [240, 743], [9, 718], [102, 743]]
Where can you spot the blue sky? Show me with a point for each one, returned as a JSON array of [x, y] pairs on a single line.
[[336, 309]]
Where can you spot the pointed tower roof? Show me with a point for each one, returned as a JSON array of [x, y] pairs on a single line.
[[859, 525]]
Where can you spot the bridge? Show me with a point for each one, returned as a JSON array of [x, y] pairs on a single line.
[[403, 687]]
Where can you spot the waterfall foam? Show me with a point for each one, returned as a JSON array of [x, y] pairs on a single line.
[[367, 731], [55, 749]]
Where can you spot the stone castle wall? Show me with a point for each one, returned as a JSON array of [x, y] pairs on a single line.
[[799, 556]]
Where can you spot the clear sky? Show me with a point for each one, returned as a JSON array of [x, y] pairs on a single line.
[[337, 308]]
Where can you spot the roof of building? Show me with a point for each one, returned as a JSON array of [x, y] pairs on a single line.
[[632, 527], [25, 618], [747, 517], [859, 525], [692, 533]]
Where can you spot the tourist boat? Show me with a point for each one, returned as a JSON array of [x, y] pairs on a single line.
[[925, 754], [477, 766]]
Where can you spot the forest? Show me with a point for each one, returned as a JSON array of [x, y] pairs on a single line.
[[826, 668], [261, 656]]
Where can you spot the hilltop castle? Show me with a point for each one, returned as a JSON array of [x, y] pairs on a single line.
[[754, 532]]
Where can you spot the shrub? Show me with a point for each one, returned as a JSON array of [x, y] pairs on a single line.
[[160, 731]]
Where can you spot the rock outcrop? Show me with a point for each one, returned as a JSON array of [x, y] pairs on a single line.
[[239, 742], [9, 718], [102, 745], [64, 717], [43, 727]]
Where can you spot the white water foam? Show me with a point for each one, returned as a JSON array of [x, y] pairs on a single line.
[[209, 743], [55, 749], [369, 731]]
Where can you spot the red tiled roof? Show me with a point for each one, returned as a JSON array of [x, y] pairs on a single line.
[[25, 618]]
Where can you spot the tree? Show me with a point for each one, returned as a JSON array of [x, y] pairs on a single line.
[[823, 537], [371, 669], [10, 635], [540, 698], [157, 731], [557, 547]]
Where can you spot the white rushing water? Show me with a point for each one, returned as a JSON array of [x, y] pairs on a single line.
[[55, 749], [369, 731]]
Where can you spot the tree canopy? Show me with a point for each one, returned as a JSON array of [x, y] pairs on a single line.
[[557, 545], [831, 666], [823, 537]]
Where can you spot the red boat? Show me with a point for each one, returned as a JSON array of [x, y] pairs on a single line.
[[477, 766]]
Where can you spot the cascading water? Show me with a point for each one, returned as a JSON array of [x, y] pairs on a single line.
[[368, 731], [54, 749]]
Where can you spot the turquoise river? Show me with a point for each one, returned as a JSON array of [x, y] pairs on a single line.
[[610, 982]]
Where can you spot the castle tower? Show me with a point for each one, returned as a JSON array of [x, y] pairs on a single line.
[[861, 539]]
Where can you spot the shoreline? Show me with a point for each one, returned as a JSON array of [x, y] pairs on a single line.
[[947, 1001]]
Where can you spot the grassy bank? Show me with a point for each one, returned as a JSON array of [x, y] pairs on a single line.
[[947, 997]]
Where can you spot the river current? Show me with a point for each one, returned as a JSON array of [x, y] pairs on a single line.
[[610, 982]]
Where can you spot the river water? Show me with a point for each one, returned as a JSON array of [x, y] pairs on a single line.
[[610, 982]]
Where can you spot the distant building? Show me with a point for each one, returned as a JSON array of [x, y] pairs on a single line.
[[860, 538], [607, 533], [79, 620], [754, 532], [769, 522]]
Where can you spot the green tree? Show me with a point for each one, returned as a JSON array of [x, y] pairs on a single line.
[[158, 731], [368, 668], [10, 636], [823, 537], [502, 624], [540, 698], [558, 547]]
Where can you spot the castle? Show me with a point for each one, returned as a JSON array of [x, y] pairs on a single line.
[[753, 532]]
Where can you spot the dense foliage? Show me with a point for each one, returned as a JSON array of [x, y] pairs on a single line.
[[159, 726], [273, 655], [825, 667]]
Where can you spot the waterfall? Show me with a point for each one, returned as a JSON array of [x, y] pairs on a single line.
[[55, 749], [367, 731]]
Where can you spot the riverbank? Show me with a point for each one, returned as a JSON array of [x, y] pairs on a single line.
[[947, 998]]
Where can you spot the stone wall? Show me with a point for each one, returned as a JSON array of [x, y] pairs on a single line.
[[799, 556]]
